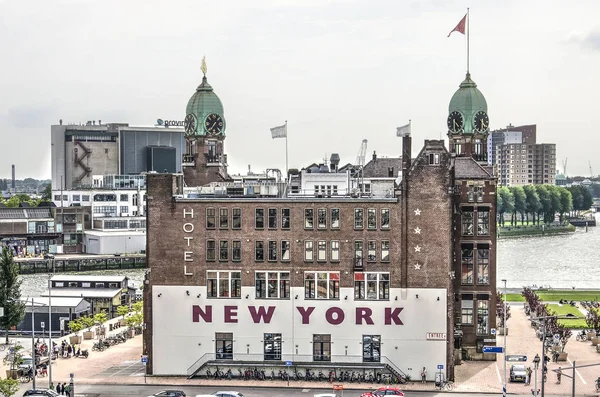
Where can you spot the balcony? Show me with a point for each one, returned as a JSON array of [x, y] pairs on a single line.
[[188, 160], [215, 159]]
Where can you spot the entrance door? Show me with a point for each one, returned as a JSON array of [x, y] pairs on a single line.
[[371, 348], [322, 347], [272, 346], [224, 345]]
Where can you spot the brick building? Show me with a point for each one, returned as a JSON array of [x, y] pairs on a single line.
[[247, 274]]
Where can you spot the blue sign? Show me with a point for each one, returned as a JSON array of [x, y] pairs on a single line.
[[144, 360], [288, 363], [440, 366], [493, 349]]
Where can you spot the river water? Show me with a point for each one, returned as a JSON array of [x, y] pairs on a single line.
[[564, 261]]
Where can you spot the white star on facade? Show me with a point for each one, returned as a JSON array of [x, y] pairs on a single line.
[[418, 230], [417, 212], [418, 248], [417, 266]]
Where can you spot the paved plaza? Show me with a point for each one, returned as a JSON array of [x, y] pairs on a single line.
[[121, 364]]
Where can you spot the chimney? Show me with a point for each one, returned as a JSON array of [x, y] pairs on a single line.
[[406, 151], [334, 162], [13, 185], [374, 156], [60, 121], [99, 122]]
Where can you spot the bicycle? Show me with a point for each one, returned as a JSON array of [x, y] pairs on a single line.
[[447, 385]]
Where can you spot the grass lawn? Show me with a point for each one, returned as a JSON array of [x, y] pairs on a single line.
[[563, 310], [515, 298], [556, 295]]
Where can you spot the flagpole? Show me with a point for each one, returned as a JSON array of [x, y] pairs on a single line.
[[468, 34], [286, 151]]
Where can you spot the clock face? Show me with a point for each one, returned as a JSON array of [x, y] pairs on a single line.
[[455, 122], [213, 124], [190, 124], [481, 122]]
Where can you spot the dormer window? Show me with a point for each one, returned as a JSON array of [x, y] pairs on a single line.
[[434, 159]]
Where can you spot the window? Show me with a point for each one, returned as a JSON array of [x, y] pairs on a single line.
[[358, 253], [483, 222], [210, 218], [466, 311], [223, 250], [211, 248], [372, 286], [371, 348], [335, 218], [285, 218], [224, 284], [259, 218], [467, 264], [124, 197], [272, 218], [434, 158], [76, 197], [335, 251], [483, 265], [236, 250], [272, 346], [385, 251], [482, 316], [321, 251], [85, 197], [308, 218], [274, 285], [123, 209], [467, 222], [308, 251], [322, 218], [96, 285], [371, 251], [285, 251], [385, 219], [321, 285], [224, 345], [223, 218], [259, 251], [57, 197], [371, 219], [321, 347], [86, 285], [236, 218], [358, 218], [272, 250]]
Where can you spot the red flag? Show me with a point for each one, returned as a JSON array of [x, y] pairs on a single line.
[[460, 27]]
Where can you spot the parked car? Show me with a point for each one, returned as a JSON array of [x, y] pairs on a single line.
[[326, 395], [228, 394], [384, 391], [517, 372], [40, 393], [169, 393]]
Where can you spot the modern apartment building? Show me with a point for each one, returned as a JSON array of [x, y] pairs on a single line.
[[522, 164]]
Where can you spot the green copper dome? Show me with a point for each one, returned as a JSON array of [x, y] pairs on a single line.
[[468, 100], [203, 103]]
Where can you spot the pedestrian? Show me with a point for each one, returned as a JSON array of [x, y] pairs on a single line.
[[558, 375], [51, 385], [423, 375], [67, 390], [59, 388], [527, 375]]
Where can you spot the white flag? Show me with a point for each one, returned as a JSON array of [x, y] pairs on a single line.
[[403, 131], [279, 132]]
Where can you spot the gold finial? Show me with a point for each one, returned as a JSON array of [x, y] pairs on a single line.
[[203, 67]]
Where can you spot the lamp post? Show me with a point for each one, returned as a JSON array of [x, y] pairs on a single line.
[[33, 350], [536, 364], [504, 329], [50, 347]]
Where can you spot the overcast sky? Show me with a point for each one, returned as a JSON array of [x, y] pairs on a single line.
[[338, 71]]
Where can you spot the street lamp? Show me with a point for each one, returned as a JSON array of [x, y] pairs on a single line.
[[536, 364], [504, 326], [33, 350], [50, 347]]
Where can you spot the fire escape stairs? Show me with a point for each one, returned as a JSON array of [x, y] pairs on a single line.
[[79, 161]]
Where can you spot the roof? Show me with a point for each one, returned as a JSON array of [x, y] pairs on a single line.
[[380, 166], [84, 292], [201, 104], [103, 233], [468, 100], [25, 213], [57, 301], [80, 277], [467, 167]]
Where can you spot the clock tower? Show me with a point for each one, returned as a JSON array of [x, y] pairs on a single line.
[[468, 122], [205, 160]]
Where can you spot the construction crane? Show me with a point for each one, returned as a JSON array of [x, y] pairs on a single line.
[[565, 166], [360, 163]]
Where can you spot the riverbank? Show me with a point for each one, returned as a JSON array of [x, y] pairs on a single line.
[[534, 231]]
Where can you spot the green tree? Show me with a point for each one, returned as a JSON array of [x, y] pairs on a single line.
[[87, 322], [505, 203], [555, 202], [9, 387], [520, 202], [588, 200], [532, 201], [75, 326], [10, 291], [100, 318], [566, 200], [47, 193], [595, 188], [138, 306], [122, 310], [546, 204]]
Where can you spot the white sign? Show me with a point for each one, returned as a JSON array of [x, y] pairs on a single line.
[[493, 331], [1, 312], [42, 324], [436, 336], [556, 337]]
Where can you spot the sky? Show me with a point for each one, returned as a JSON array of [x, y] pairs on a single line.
[[339, 71]]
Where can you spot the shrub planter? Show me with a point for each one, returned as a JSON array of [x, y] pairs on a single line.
[[591, 335], [12, 374], [87, 335], [562, 356], [122, 322], [595, 341], [556, 348], [75, 340]]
